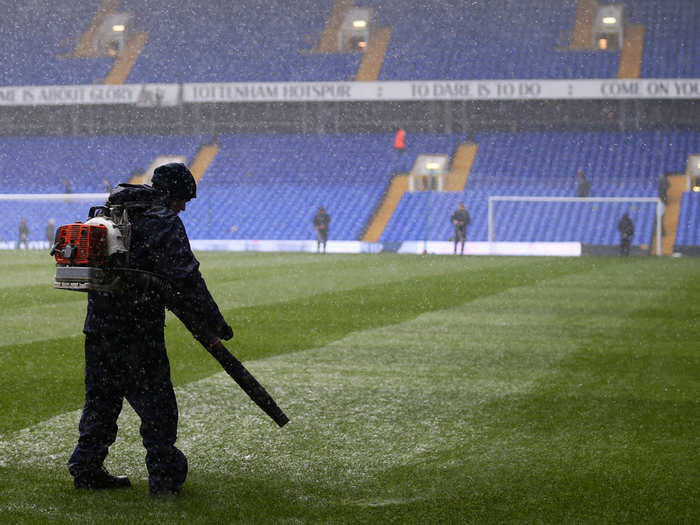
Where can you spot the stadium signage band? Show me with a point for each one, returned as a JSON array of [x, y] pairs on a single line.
[[135, 94], [441, 90], [149, 95]]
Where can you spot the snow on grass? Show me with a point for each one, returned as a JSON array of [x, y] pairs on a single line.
[[369, 402]]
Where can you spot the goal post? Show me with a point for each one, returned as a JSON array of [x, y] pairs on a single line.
[[38, 209], [647, 201]]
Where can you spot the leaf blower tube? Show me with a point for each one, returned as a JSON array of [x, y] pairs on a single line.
[[176, 302]]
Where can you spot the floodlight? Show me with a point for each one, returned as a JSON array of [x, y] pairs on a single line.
[[608, 25], [432, 165], [118, 28], [354, 32]]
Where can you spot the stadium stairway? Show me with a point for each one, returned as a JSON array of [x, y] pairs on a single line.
[[198, 166], [328, 42], [373, 57], [456, 182], [127, 58], [632, 51], [397, 187], [672, 212], [461, 166], [204, 157], [85, 47], [582, 33]]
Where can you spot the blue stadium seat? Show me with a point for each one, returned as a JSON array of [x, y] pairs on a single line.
[[545, 164], [688, 233], [253, 41]]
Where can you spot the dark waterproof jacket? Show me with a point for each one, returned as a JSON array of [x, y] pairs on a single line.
[[322, 220], [461, 216], [626, 227], [159, 244]]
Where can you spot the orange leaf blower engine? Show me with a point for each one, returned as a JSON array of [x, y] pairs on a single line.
[[87, 253], [81, 244]]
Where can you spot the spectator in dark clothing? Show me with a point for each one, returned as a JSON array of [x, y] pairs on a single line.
[[663, 189], [66, 186], [626, 229], [50, 232], [584, 187], [460, 219], [125, 353], [321, 222], [23, 234]]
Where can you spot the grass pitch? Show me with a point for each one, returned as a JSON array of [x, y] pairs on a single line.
[[420, 390]]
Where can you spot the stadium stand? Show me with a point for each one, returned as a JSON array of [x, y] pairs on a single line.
[[688, 234], [268, 186], [488, 40], [257, 186], [274, 184], [420, 214], [437, 40], [672, 45], [238, 41], [545, 164], [425, 43], [38, 49], [41, 164]]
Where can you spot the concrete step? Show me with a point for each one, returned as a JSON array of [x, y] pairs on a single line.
[[397, 187], [126, 59], [461, 166], [671, 214], [373, 57], [632, 50], [328, 42]]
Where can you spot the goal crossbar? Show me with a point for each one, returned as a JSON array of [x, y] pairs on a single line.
[[53, 196], [523, 198]]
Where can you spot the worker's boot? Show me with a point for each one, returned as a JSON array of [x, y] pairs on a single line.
[[100, 479]]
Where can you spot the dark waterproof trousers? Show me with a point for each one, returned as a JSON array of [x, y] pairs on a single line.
[[625, 243], [138, 370], [460, 236], [321, 239]]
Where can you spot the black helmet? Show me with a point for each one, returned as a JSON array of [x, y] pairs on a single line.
[[175, 180]]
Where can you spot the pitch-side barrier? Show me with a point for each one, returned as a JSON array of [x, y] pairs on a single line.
[[409, 247], [567, 249]]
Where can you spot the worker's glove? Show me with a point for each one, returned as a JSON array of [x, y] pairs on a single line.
[[226, 332]]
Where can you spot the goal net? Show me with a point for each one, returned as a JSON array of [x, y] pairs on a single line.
[[588, 220], [39, 210]]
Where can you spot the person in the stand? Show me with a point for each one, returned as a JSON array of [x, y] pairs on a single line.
[[626, 228], [23, 234], [321, 223], [400, 141], [583, 188], [663, 187], [50, 232], [125, 353], [460, 219]]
